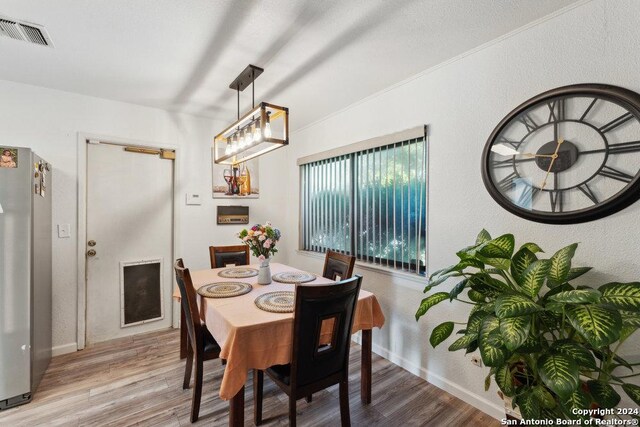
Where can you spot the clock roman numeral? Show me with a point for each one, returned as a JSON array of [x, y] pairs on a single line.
[[528, 122], [587, 110], [556, 200], [613, 173], [501, 163], [556, 111], [506, 183], [616, 122], [587, 191], [624, 147], [514, 144]]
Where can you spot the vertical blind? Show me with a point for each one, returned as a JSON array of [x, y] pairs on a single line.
[[370, 203]]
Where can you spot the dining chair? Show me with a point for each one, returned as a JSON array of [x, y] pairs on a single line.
[[338, 266], [200, 343], [221, 256], [318, 360]]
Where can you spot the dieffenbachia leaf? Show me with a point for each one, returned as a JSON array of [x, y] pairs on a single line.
[[561, 264], [577, 296], [520, 262], [629, 318], [599, 324], [504, 379], [457, 289], [578, 400], [512, 305], [545, 398], [475, 322], [462, 342], [483, 237], [429, 302], [580, 354], [576, 272], [500, 247], [529, 406], [514, 331], [532, 247], [604, 395], [625, 296], [440, 333], [490, 342], [560, 373], [633, 391], [534, 276]]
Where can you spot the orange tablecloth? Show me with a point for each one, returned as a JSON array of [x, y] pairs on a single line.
[[251, 338]]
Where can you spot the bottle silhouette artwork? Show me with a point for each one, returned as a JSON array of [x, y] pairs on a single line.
[[235, 188], [245, 187]]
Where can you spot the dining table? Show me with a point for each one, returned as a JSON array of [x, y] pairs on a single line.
[[251, 338]]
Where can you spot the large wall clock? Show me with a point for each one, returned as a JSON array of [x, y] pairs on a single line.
[[568, 155]]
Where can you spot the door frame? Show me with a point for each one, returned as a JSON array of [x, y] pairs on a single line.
[[84, 139]]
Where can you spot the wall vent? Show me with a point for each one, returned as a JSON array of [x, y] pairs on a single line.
[[25, 31]]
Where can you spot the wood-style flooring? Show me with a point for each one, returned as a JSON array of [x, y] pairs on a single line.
[[138, 381]]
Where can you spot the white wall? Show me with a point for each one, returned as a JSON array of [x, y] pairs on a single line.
[[48, 121], [462, 101]]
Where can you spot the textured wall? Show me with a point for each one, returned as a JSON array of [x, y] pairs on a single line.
[[462, 101], [48, 121]]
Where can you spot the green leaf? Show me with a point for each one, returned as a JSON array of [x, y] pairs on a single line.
[[534, 276], [633, 391], [630, 318], [532, 247], [544, 397], [429, 302], [440, 279], [578, 352], [603, 394], [440, 333], [577, 296], [504, 379], [575, 401], [483, 237], [476, 296], [462, 342], [500, 247], [529, 406], [457, 289], [531, 345], [515, 331], [560, 373], [561, 264], [598, 324], [625, 296], [499, 263], [576, 272], [626, 332], [490, 342], [557, 290], [512, 305], [475, 322], [520, 262], [487, 380]]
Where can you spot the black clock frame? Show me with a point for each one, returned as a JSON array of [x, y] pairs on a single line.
[[625, 97]]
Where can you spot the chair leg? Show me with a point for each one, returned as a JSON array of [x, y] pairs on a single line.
[[292, 410], [258, 379], [309, 398], [188, 366], [197, 391], [345, 418]]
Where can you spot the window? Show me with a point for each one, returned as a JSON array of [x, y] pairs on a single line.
[[370, 203]]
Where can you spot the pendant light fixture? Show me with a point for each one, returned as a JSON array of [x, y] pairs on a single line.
[[264, 128]]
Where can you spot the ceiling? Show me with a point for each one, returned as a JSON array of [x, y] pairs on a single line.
[[319, 55]]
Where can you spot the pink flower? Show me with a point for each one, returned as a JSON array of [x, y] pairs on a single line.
[[261, 238], [267, 243], [257, 233], [261, 258], [245, 238]]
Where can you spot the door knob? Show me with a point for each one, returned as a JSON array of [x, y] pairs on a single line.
[[91, 252], [91, 243]]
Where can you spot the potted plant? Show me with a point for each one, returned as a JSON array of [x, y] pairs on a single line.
[[551, 346]]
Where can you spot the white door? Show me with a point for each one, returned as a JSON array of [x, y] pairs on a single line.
[[129, 242]]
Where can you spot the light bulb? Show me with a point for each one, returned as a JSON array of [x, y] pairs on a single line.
[[241, 143], [248, 136], [227, 149], [257, 133], [267, 130]]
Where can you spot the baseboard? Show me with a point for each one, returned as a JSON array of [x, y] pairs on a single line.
[[64, 349], [489, 408]]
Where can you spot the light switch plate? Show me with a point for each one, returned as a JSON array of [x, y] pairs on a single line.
[[64, 231], [194, 199]]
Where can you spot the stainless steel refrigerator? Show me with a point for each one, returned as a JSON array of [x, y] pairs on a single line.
[[25, 273]]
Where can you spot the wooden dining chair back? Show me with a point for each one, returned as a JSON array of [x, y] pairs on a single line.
[[323, 321], [221, 256], [338, 266], [201, 344]]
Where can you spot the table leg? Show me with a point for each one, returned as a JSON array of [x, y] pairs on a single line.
[[183, 335], [365, 367], [236, 409]]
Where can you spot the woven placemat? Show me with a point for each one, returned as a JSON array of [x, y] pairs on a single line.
[[293, 277], [224, 289], [276, 302], [238, 273]]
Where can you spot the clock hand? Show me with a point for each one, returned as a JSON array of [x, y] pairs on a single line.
[[554, 156], [507, 151]]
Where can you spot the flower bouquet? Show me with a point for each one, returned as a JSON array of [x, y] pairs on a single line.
[[262, 240]]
